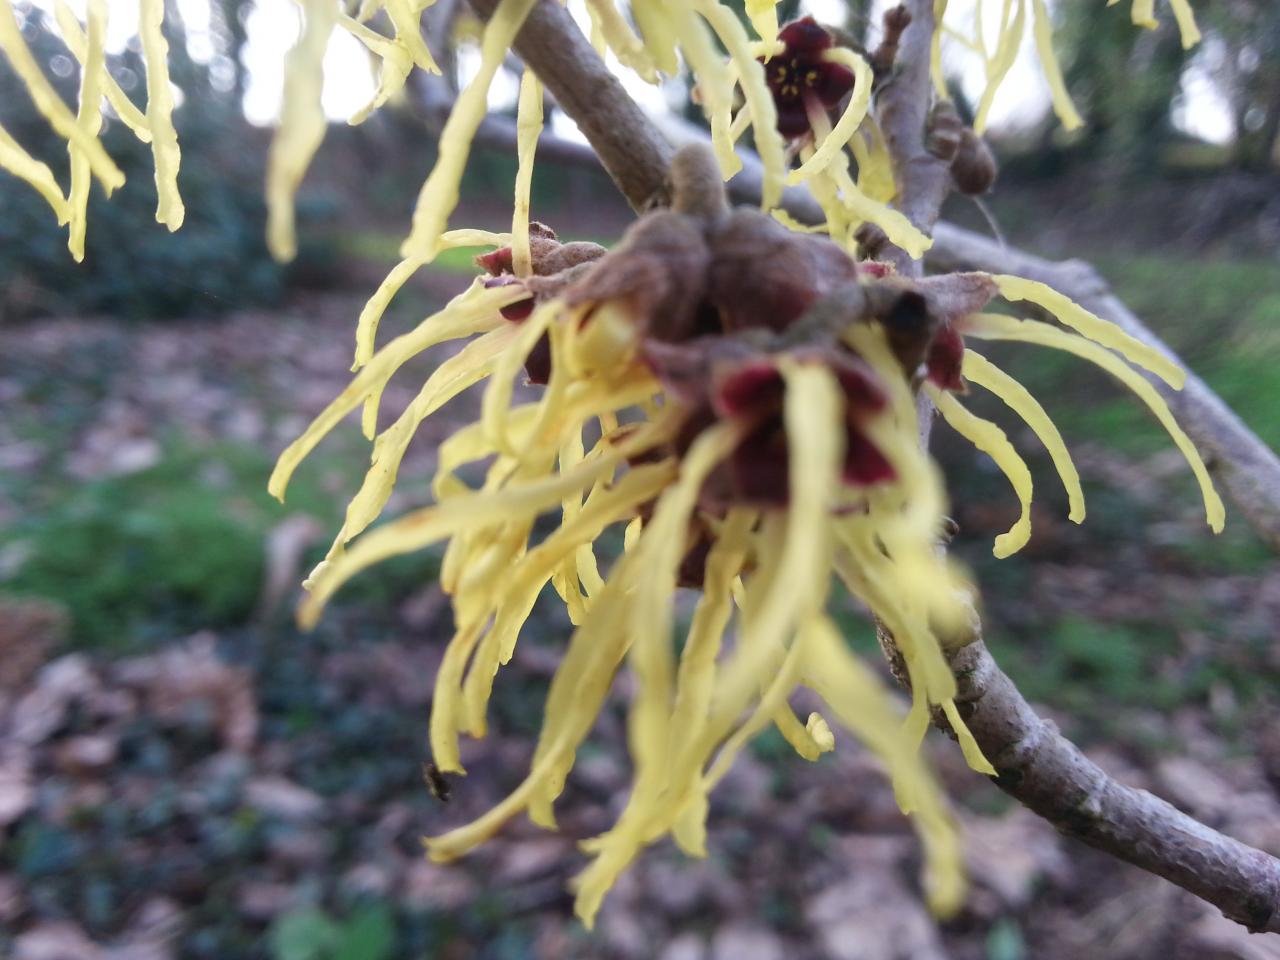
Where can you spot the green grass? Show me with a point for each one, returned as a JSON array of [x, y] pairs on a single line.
[[179, 546], [1098, 672]]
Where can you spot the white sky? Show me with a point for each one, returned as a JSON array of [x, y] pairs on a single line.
[[273, 26]]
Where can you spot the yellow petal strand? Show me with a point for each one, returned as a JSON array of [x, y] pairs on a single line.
[[302, 125], [1186, 23], [519, 589], [991, 440], [445, 700], [764, 19], [421, 528], [622, 40], [813, 415], [695, 678], [658, 33], [89, 117], [791, 223], [164, 138], [497, 395], [918, 499], [648, 727], [565, 579], [1092, 326], [49, 104], [371, 314], [578, 689], [973, 754], [889, 587], [439, 195], [38, 175], [471, 443], [715, 83], [1042, 28], [577, 692], [764, 114], [875, 167], [781, 681], [998, 327], [1143, 14], [835, 215], [820, 732], [858, 205], [664, 541], [405, 17], [397, 64], [448, 380], [726, 698], [596, 35], [935, 53], [473, 311], [1001, 62], [430, 525], [832, 146], [528, 128], [987, 375], [74, 37], [799, 734], [859, 702]]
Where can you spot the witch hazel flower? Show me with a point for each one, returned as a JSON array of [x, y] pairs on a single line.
[[799, 76]]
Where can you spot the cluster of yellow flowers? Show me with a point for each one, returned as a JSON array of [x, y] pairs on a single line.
[[733, 391]]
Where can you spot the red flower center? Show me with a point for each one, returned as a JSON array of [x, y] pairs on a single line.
[[799, 72]]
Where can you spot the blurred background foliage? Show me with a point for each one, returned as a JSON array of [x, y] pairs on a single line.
[[146, 391]]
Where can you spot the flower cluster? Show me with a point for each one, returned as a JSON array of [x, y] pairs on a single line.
[[736, 396]]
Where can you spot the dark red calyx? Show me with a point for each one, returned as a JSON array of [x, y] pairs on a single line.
[[496, 262], [754, 390], [749, 389], [804, 38], [863, 393], [537, 366], [517, 311], [875, 269], [945, 358], [864, 464]]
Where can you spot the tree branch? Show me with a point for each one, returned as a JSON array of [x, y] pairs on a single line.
[[1049, 775], [633, 153], [902, 108], [1037, 765]]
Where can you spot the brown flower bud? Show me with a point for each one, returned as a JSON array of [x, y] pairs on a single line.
[[697, 188], [946, 130], [896, 20], [764, 275], [659, 271], [974, 167]]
